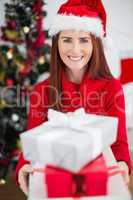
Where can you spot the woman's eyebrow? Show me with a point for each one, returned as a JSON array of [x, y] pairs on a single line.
[[67, 37], [86, 37]]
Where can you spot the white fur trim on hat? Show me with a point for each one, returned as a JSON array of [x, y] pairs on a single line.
[[67, 22]]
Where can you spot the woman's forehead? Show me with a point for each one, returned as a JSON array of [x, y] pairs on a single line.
[[74, 33]]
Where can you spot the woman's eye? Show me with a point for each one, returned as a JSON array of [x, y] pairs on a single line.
[[67, 40], [83, 40]]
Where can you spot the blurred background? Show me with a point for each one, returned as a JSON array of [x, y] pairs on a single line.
[[24, 61]]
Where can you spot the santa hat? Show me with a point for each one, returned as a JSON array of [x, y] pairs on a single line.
[[88, 15]]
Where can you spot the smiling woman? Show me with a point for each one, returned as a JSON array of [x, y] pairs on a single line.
[[75, 49], [79, 76], [76, 54]]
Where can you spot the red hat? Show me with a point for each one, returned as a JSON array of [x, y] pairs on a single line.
[[88, 15]]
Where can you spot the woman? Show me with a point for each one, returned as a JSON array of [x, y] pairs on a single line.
[[80, 77]]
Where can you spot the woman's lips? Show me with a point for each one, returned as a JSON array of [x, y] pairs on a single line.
[[75, 58]]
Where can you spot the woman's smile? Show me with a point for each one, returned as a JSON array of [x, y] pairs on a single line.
[[75, 58]]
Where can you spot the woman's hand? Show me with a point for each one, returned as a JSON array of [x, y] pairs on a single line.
[[124, 167], [23, 177]]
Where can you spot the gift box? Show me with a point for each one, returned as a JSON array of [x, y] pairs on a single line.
[[69, 142], [89, 181], [37, 143], [116, 188]]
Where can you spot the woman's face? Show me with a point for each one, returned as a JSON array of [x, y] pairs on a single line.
[[75, 48]]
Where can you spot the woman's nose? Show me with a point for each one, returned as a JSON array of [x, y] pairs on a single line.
[[76, 49]]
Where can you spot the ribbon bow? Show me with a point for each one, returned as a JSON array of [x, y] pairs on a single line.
[[75, 120]]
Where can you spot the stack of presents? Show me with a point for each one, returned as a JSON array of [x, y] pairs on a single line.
[[69, 146]]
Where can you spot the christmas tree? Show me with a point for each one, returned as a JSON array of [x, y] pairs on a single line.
[[24, 56], [24, 26]]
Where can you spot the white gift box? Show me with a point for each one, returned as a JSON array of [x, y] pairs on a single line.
[[37, 143], [117, 189], [69, 146]]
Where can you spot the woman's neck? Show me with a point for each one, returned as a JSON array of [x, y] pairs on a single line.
[[75, 76]]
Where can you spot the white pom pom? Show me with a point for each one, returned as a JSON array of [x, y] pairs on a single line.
[[112, 56], [107, 43]]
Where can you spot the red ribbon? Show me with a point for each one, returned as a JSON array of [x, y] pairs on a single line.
[[78, 186]]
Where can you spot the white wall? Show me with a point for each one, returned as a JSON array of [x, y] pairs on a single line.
[[120, 25]]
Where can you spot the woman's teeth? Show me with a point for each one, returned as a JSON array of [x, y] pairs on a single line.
[[75, 58]]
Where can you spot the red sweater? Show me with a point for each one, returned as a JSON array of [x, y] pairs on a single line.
[[103, 97]]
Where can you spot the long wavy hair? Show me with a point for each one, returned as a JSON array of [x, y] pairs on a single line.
[[97, 69]]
